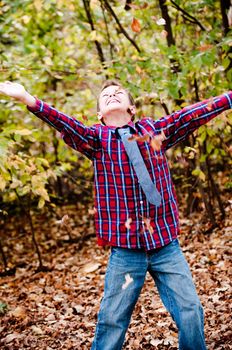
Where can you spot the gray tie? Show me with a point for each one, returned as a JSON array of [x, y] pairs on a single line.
[[133, 152]]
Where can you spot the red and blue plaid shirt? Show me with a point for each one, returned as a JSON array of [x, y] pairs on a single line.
[[123, 216]]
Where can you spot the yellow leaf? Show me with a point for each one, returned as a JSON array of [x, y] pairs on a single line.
[[47, 60], [2, 183], [23, 132], [41, 203], [42, 192]]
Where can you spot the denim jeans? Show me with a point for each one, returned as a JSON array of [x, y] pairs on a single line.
[[124, 280]]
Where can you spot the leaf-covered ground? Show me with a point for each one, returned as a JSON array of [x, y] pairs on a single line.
[[57, 309]]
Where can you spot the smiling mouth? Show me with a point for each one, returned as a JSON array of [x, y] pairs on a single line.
[[114, 100]]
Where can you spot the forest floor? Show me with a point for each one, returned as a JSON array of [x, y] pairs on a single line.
[[57, 309]]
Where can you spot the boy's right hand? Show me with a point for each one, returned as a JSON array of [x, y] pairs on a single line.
[[18, 92]]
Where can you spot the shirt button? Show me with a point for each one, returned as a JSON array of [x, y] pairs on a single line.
[[141, 202], [142, 222]]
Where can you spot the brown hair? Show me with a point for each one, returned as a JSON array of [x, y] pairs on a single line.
[[108, 83]]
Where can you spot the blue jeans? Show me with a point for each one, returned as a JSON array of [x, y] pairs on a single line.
[[124, 280]]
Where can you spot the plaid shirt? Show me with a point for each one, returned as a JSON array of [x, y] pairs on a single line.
[[123, 216]]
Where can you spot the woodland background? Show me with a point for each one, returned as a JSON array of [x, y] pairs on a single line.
[[168, 54]]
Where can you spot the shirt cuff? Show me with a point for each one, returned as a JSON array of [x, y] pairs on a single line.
[[38, 106]]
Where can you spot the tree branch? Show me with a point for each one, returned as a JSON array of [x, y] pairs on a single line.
[[189, 17], [90, 20], [123, 31], [107, 31]]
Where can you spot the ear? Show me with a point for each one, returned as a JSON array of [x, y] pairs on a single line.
[[132, 110]]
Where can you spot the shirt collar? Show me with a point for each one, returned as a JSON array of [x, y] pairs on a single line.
[[130, 125]]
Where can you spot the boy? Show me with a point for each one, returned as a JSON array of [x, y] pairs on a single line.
[[136, 206]]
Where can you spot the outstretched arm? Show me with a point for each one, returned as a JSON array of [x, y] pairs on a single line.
[[177, 126], [78, 136], [18, 92]]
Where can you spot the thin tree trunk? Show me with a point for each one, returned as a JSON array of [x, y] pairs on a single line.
[[3, 257], [207, 203], [175, 66], [225, 5]]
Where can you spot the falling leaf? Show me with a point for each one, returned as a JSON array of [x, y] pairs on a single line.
[[128, 223], [147, 222], [156, 141], [138, 138], [135, 26], [138, 70], [205, 47], [161, 22], [128, 279], [92, 211], [209, 106], [164, 34], [84, 117]]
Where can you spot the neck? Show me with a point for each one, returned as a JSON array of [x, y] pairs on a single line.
[[117, 119]]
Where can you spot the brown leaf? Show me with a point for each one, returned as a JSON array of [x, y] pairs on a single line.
[[205, 47], [65, 220], [10, 337], [128, 223], [209, 106], [138, 138], [91, 267], [19, 312], [156, 141], [147, 222], [84, 117], [135, 26], [92, 211]]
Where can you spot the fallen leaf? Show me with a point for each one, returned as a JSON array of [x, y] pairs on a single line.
[[10, 337], [19, 312], [91, 267], [37, 330]]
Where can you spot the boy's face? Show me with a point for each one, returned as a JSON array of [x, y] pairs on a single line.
[[112, 99]]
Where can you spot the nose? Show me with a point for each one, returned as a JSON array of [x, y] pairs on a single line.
[[112, 94]]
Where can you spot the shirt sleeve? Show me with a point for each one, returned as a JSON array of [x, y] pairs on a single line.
[[178, 125], [78, 136]]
